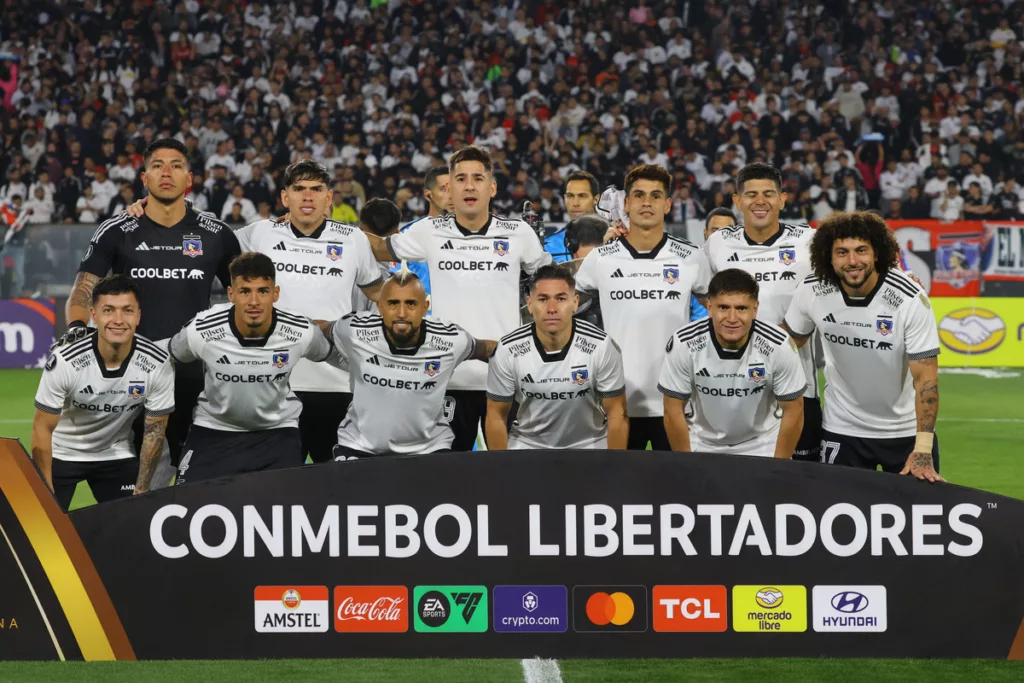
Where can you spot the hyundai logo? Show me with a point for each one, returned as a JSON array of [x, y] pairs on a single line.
[[850, 602]]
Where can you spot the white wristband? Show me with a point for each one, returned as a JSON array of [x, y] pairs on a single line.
[[924, 442]]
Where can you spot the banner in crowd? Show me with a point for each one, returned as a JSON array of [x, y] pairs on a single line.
[[980, 333], [517, 554], [26, 332], [945, 256], [1004, 252]]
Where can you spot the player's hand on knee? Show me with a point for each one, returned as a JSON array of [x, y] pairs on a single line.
[[922, 466], [76, 330], [138, 209]]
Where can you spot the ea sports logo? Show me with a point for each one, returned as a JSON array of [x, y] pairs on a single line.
[[434, 608], [291, 599], [616, 608], [769, 598], [972, 331]]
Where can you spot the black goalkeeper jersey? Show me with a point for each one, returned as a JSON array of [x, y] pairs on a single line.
[[173, 266]]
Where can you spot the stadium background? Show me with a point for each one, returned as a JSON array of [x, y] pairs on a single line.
[[381, 91]]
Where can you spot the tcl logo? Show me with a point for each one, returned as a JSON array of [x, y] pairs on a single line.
[[690, 608], [371, 609]]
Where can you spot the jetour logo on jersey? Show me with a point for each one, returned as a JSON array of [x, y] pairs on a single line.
[[280, 359], [431, 367], [192, 246], [136, 390], [291, 609], [333, 251], [580, 375], [501, 247], [670, 274], [787, 257], [884, 325]]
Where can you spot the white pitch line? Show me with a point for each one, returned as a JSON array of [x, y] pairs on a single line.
[[539, 670]]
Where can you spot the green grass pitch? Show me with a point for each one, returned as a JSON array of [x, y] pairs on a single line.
[[980, 424]]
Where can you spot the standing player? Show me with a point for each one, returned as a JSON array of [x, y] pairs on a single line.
[[173, 254], [644, 281], [740, 372], [881, 349], [91, 391], [401, 364], [716, 220], [566, 375], [475, 260], [438, 194], [320, 265], [581, 193], [247, 418], [778, 256]]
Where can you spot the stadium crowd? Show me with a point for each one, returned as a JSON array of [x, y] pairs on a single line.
[[911, 108]]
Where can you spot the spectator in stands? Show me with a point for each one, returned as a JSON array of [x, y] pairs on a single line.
[[39, 207], [916, 206], [246, 209], [952, 203]]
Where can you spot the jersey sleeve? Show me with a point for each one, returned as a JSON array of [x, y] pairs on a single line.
[[464, 346], [180, 347], [102, 252], [367, 271], [798, 317], [920, 333], [534, 255], [230, 249], [318, 347], [411, 245], [700, 284], [789, 381], [246, 237], [710, 249], [339, 336], [611, 380], [676, 379], [160, 396], [501, 379], [586, 276], [54, 386]]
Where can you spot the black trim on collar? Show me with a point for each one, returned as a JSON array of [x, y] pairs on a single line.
[[645, 255], [121, 369], [315, 235], [552, 357], [729, 354], [768, 242], [258, 342], [860, 303], [190, 221], [411, 351], [469, 233]]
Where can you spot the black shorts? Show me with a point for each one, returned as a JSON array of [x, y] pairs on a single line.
[[465, 411], [212, 453], [808, 447], [855, 451], [644, 429], [346, 453], [108, 479], [322, 412]]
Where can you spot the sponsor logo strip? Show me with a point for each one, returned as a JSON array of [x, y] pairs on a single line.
[[609, 608], [768, 608], [849, 609], [531, 609], [371, 609], [690, 609], [450, 609], [291, 609]]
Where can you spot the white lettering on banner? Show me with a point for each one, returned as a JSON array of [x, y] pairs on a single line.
[[879, 529], [18, 337]]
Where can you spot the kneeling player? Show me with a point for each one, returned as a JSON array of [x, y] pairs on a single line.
[[744, 375], [881, 348], [400, 365], [89, 395], [248, 417], [566, 375]]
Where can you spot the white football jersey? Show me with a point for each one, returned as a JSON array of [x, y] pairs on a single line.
[[398, 394], [869, 391], [559, 394], [735, 393], [319, 275], [779, 265], [644, 298], [474, 276], [247, 379], [97, 405]]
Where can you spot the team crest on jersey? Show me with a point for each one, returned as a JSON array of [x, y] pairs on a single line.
[[580, 375], [787, 257], [431, 367], [755, 373], [136, 390], [280, 359], [192, 246], [671, 274], [501, 247], [333, 251], [884, 325]]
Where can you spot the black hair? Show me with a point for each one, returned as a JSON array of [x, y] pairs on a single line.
[[252, 265], [584, 231], [165, 143], [307, 169], [552, 271], [651, 172], [758, 171], [430, 179], [720, 211], [115, 284], [380, 216], [595, 187], [858, 225], [733, 281], [471, 153]]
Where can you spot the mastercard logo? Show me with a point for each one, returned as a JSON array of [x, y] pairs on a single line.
[[610, 608]]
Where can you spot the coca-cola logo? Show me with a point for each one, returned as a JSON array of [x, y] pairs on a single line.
[[371, 609]]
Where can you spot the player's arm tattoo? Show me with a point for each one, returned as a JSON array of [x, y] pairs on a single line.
[[80, 301], [483, 349], [926, 386], [152, 446]]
